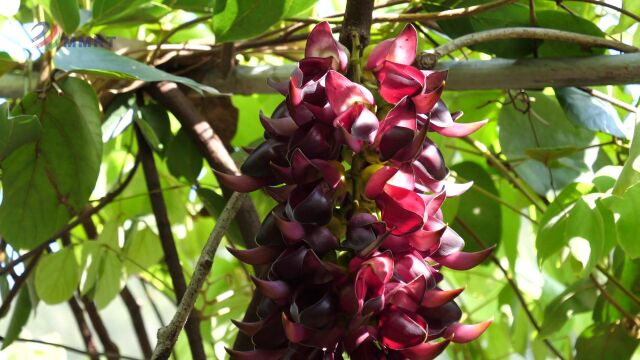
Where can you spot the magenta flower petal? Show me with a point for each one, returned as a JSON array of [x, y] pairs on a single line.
[[435, 298], [322, 44], [425, 351], [401, 50], [249, 328], [275, 290], [239, 183], [402, 209], [463, 260], [459, 129], [423, 240], [342, 93], [378, 180], [400, 330], [397, 81], [284, 126], [256, 354], [257, 256], [462, 333], [359, 336]]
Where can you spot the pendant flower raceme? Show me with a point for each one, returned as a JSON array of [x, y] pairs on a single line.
[[357, 240]]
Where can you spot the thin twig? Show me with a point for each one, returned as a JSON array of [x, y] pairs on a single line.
[[619, 285], [175, 30], [434, 16], [513, 285], [633, 319], [17, 285], [133, 308], [72, 349], [101, 330], [497, 163], [83, 327], [167, 241], [610, 99], [168, 335], [605, 4], [428, 58]]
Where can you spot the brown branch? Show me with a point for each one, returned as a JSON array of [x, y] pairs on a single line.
[[71, 348], [618, 284], [192, 327], [433, 16], [168, 335], [357, 20], [138, 322], [106, 200], [610, 99], [632, 319], [513, 285], [83, 327], [428, 58], [173, 99], [17, 285], [101, 330]]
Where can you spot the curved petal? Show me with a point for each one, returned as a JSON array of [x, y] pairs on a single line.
[[239, 183], [322, 44], [463, 260], [401, 50], [435, 298], [463, 333], [378, 180], [425, 351], [397, 81], [276, 290], [256, 354], [342, 92], [459, 129], [257, 256]]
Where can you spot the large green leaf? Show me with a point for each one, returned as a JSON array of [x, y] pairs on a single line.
[[243, 19], [590, 112], [46, 183], [562, 20], [477, 211], [577, 298], [65, 12], [100, 61], [605, 342], [57, 276], [552, 235], [16, 131], [105, 277], [19, 318], [631, 170], [142, 249], [184, 159], [633, 6], [6, 63], [552, 130], [104, 10], [627, 211]]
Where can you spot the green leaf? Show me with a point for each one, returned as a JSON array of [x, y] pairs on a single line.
[[107, 269], [57, 276], [548, 155], [555, 221], [19, 318], [142, 249], [476, 210], [552, 130], [46, 183], [589, 112], [626, 22], [65, 12], [184, 159], [631, 170], [159, 122], [599, 342], [103, 10], [627, 211], [577, 298], [147, 131], [16, 131], [100, 61], [248, 121], [6, 63], [562, 20], [243, 19]]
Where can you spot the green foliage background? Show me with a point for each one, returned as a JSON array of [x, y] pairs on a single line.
[[571, 256]]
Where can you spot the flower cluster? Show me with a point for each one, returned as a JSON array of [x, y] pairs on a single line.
[[356, 242]]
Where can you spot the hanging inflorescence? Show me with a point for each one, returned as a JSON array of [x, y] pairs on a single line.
[[355, 245]]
